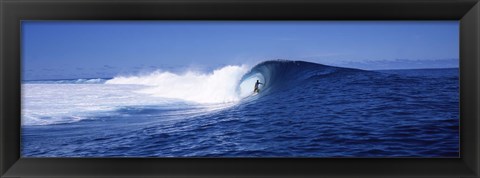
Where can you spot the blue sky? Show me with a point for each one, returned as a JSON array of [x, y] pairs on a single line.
[[91, 49]]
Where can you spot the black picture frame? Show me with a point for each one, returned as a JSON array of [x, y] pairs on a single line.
[[13, 11]]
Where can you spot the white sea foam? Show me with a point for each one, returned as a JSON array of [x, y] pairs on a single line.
[[44, 104], [219, 86], [54, 103]]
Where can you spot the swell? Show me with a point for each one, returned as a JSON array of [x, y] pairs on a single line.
[[223, 87], [69, 81], [281, 74]]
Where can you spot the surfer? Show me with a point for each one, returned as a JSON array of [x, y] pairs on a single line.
[[256, 90]]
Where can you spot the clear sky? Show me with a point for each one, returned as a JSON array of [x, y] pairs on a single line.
[[92, 49]]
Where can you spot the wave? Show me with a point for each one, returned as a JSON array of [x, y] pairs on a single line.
[[225, 87], [227, 84], [218, 86], [279, 74], [69, 81]]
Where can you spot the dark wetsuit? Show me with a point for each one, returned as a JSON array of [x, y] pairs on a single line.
[[256, 87]]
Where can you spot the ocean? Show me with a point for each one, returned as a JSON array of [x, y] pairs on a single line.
[[303, 109]]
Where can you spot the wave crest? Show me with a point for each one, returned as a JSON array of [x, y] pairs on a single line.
[[227, 84], [218, 86], [278, 74]]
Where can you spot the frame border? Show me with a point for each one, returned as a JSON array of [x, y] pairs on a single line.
[[13, 11]]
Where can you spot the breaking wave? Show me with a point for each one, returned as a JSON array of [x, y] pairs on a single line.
[[227, 84]]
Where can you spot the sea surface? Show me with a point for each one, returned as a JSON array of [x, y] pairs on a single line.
[[303, 110]]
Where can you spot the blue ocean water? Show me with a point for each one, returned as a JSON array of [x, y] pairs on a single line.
[[303, 110]]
